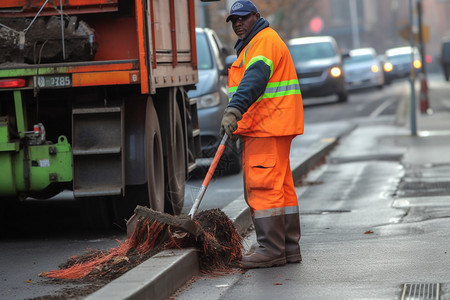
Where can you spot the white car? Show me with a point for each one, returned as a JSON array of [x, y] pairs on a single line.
[[363, 69], [398, 62]]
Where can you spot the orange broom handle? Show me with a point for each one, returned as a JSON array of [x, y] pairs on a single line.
[[215, 161], [208, 177]]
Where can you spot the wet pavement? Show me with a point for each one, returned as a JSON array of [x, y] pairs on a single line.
[[374, 217]]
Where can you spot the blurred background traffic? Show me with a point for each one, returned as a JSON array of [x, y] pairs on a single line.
[[338, 47], [380, 24]]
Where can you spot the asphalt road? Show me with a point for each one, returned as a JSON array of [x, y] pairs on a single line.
[[42, 235]]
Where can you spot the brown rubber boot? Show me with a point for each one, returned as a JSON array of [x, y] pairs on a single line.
[[257, 260], [292, 237], [270, 237]]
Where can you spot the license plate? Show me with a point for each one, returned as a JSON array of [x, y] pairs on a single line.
[[53, 81]]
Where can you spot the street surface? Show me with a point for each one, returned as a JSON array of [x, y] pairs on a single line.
[[43, 234], [320, 113], [374, 219]]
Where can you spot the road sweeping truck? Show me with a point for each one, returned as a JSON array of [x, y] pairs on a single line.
[[93, 100]]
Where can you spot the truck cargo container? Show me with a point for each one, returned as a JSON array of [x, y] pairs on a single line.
[[93, 99]]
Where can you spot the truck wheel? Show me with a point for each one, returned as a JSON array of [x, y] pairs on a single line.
[[154, 158], [176, 162], [148, 190]]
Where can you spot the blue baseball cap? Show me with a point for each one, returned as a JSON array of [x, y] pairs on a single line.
[[242, 8]]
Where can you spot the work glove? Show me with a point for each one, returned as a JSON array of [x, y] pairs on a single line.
[[230, 118]]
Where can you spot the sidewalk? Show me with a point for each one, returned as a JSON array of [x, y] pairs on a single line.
[[161, 275], [412, 254], [386, 234]]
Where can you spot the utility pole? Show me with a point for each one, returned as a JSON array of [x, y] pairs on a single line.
[[202, 14], [412, 75], [423, 101], [421, 42], [354, 22]]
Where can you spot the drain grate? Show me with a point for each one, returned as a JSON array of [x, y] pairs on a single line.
[[420, 291], [422, 188]]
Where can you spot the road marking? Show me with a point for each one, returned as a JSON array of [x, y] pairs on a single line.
[[381, 108]]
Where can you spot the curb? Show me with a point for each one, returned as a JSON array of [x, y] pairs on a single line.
[[160, 276]]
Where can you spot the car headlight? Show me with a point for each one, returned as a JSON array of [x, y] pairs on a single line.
[[335, 72], [208, 100], [388, 67], [374, 68]]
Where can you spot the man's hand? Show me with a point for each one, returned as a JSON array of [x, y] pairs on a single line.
[[230, 118]]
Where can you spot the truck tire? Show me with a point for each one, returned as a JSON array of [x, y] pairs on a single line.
[[148, 190], [175, 163], [154, 158]]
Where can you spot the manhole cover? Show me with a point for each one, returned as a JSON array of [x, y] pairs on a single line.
[[420, 291]]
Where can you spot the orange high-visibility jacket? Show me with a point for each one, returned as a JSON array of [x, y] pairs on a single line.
[[279, 110]]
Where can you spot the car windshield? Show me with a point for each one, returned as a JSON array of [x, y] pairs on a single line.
[[305, 52], [204, 56], [446, 51], [401, 58], [358, 58]]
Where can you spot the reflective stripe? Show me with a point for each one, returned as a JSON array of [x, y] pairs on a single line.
[[267, 61], [231, 91], [245, 53], [274, 89], [277, 211], [280, 89], [254, 59]]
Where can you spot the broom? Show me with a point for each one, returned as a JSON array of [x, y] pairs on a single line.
[[149, 232]]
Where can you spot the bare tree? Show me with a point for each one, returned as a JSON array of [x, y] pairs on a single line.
[[289, 17]]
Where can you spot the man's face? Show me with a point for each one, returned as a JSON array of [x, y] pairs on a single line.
[[242, 25]]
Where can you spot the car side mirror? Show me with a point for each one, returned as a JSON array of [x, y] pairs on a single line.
[[224, 52], [345, 55], [224, 72], [229, 60]]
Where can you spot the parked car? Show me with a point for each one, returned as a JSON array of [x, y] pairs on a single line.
[[445, 58], [319, 66], [398, 62], [363, 69], [211, 94]]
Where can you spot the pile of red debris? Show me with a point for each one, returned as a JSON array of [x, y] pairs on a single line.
[[217, 241]]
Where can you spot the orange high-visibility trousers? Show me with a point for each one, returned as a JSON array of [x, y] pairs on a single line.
[[268, 183]]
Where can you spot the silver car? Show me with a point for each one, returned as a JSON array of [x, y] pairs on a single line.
[[363, 69], [318, 63], [211, 94], [398, 63]]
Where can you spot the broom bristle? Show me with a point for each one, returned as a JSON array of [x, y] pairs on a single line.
[[218, 242], [143, 239]]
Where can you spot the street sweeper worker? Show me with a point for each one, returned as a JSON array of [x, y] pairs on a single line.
[[265, 109]]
